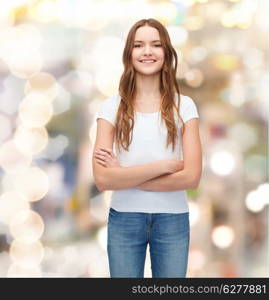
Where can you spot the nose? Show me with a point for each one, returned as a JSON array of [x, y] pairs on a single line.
[[147, 50]]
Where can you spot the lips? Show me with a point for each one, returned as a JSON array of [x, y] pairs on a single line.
[[147, 61]]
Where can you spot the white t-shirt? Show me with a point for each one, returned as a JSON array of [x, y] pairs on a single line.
[[148, 145]]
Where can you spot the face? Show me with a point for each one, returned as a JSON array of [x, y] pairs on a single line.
[[147, 46]]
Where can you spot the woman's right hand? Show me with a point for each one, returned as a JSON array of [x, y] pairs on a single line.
[[174, 165], [106, 157]]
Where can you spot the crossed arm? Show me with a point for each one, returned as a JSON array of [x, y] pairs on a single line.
[[180, 180], [189, 176]]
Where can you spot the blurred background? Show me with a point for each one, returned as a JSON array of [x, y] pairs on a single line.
[[59, 59]]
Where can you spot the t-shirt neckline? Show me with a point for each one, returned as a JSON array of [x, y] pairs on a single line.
[[154, 113]]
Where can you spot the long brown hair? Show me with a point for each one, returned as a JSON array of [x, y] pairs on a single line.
[[127, 88]]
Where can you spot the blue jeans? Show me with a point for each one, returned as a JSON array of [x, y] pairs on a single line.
[[129, 233]]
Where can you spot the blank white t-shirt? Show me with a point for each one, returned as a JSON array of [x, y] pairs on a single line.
[[148, 145]]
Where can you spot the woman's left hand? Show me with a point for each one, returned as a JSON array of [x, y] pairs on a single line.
[[106, 157]]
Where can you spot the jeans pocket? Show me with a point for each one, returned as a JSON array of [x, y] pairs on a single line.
[[112, 211], [112, 214]]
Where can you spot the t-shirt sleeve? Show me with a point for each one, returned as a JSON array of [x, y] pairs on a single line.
[[107, 110], [188, 109]]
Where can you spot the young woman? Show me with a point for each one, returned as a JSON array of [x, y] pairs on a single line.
[[151, 125]]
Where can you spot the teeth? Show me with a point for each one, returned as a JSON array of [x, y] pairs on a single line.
[[145, 61]]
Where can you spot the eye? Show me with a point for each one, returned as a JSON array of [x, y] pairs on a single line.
[[159, 45]]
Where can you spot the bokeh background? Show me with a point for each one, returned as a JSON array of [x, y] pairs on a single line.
[[59, 59]]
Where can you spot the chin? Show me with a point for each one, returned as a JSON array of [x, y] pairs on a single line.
[[148, 72]]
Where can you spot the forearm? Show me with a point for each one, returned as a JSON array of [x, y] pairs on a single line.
[[181, 180], [118, 178]]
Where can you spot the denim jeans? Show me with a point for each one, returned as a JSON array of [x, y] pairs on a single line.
[[167, 235]]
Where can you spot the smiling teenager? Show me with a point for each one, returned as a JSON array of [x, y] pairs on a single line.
[[148, 152]]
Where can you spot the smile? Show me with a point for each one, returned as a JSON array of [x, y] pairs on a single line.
[[148, 61]]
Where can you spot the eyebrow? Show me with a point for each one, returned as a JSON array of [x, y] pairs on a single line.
[[151, 41]]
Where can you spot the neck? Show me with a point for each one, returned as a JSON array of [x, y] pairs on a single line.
[[148, 87]]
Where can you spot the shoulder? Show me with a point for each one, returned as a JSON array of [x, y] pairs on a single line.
[[108, 108], [110, 104], [188, 108], [186, 101]]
